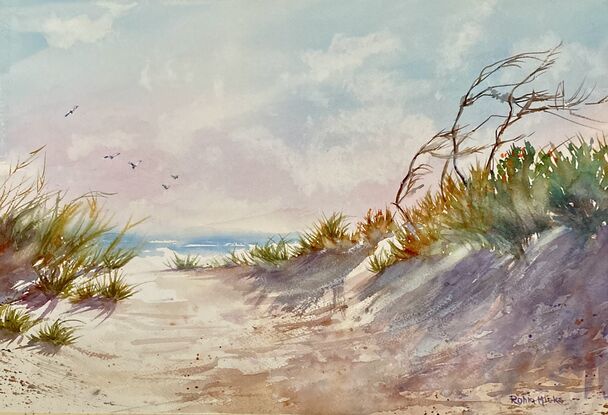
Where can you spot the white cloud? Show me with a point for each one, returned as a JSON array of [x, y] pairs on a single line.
[[144, 77], [366, 144], [348, 53], [574, 58], [468, 32], [165, 73], [353, 67], [242, 115], [116, 9], [65, 32], [178, 127]]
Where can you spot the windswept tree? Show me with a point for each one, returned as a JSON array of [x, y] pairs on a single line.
[[518, 99]]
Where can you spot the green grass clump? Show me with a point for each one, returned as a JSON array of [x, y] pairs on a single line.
[[70, 247], [183, 263], [271, 253], [424, 231], [488, 214], [63, 239], [15, 320], [84, 292], [375, 226], [240, 258], [328, 233], [380, 261], [528, 192], [113, 287], [577, 182], [57, 334]]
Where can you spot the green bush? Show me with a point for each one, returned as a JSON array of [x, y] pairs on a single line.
[[527, 193], [271, 253], [577, 182], [57, 334], [328, 233], [375, 226], [380, 261], [15, 320], [113, 287], [63, 238]]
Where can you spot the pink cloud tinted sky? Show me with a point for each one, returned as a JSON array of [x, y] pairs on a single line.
[[291, 107]]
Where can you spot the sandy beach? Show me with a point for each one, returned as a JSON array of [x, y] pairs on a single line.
[[215, 341]]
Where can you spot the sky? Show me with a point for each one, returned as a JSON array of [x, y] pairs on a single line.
[[270, 112]]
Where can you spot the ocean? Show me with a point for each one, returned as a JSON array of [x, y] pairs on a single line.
[[205, 246]]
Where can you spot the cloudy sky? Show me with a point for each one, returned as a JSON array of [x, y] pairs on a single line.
[[283, 109]]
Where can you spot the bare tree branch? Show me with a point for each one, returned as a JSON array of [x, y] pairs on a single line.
[[520, 99]]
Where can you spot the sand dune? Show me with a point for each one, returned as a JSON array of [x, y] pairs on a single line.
[[466, 333]]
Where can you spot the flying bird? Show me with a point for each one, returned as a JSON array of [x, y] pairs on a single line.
[[111, 156], [165, 187], [175, 176], [133, 165], [70, 112]]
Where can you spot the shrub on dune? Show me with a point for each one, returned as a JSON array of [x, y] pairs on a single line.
[[14, 320], [271, 253], [528, 192], [114, 287], [83, 292], [328, 233], [63, 239], [69, 246], [502, 202], [375, 226], [380, 261], [57, 334], [239, 258], [577, 182], [416, 235], [183, 263], [216, 262]]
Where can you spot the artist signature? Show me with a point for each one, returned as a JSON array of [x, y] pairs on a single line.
[[535, 400]]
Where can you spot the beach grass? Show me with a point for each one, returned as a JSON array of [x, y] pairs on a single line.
[[58, 334], [328, 233], [380, 261], [114, 287], [15, 320], [375, 226], [83, 292], [272, 253], [239, 258], [63, 238], [527, 193], [183, 263]]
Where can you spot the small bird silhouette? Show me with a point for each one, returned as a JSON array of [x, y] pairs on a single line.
[[175, 176], [111, 156], [165, 187], [133, 165], [70, 112]]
